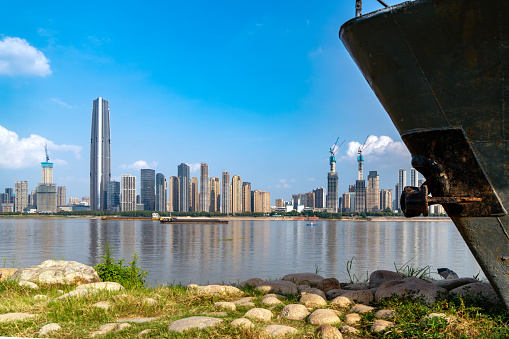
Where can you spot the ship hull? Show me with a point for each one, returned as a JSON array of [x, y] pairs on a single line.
[[439, 69]]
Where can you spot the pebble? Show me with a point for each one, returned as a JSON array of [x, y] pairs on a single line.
[[311, 279], [279, 330], [323, 316], [281, 286], [242, 322], [259, 314], [218, 289]]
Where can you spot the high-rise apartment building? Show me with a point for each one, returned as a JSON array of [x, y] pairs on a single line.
[[128, 196], [360, 196], [161, 192], [260, 201], [20, 196], [401, 185], [373, 192], [332, 191], [148, 189], [319, 197], [385, 199], [100, 154], [215, 195], [194, 195], [347, 202], [236, 194], [414, 177], [61, 196], [183, 174], [113, 196], [226, 193], [174, 196], [204, 188], [246, 197], [280, 203], [310, 200]]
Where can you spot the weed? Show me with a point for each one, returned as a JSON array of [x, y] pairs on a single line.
[[408, 271], [352, 277], [317, 269]]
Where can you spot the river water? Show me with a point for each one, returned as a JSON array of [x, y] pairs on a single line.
[[213, 253]]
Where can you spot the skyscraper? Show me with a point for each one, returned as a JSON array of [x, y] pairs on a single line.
[[226, 193], [174, 198], [204, 188], [215, 194], [414, 177], [319, 197], [148, 189], [128, 196], [385, 199], [360, 196], [373, 192], [332, 187], [246, 197], [61, 196], [236, 194], [161, 192], [47, 190], [401, 186], [183, 174], [113, 196], [260, 201], [194, 195], [100, 154], [20, 196]]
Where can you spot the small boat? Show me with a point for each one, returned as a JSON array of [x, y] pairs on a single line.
[[312, 224], [192, 220]]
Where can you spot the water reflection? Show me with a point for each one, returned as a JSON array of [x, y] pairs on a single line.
[[241, 249]]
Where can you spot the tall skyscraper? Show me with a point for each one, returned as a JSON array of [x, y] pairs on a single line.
[[174, 197], [246, 197], [385, 199], [194, 195], [204, 188], [226, 193], [148, 189], [161, 192], [215, 194], [401, 185], [360, 196], [414, 177], [47, 190], [100, 154], [236, 194], [310, 200], [183, 174], [373, 192], [113, 196], [260, 201], [20, 196], [61, 196], [319, 197], [128, 196]]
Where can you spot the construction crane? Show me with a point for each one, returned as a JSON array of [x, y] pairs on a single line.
[[333, 150], [46, 150], [360, 158]]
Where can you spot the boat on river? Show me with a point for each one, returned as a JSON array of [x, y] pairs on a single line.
[[441, 71]]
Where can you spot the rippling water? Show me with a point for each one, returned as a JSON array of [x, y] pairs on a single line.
[[241, 249]]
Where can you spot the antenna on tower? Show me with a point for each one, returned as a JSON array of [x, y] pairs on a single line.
[[333, 149], [46, 150]]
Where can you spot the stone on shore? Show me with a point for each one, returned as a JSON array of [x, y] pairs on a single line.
[[349, 329], [251, 282], [218, 289], [242, 322], [106, 328], [245, 302], [444, 316], [135, 320], [142, 333], [483, 290], [123, 326], [107, 285], [357, 287], [352, 318], [225, 305], [332, 294], [360, 296], [260, 314], [294, 312], [53, 272], [11, 317], [450, 284], [411, 287], [377, 278], [327, 331], [311, 279], [312, 290], [5, 273], [381, 325], [103, 304], [328, 284], [278, 286], [323, 316], [341, 302], [385, 314], [49, 328], [279, 330], [270, 301], [77, 293], [28, 284], [312, 300], [361, 309], [193, 322]]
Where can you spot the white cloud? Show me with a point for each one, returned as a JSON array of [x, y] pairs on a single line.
[[378, 148], [193, 168], [27, 152], [138, 165], [17, 57], [60, 102]]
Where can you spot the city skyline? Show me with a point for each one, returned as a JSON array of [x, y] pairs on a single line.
[[262, 80]]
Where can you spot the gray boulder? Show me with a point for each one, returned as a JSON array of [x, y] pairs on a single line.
[[450, 284], [409, 287], [332, 294], [379, 277], [52, 272], [328, 284], [278, 286], [482, 290], [361, 296], [311, 279]]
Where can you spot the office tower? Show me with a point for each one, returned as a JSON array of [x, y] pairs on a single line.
[[32, 199], [61, 196], [246, 197], [204, 188], [280, 203], [351, 188], [47, 190], [310, 200], [194, 195], [332, 190], [236, 194], [226, 193], [148, 189], [261, 201], [401, 185], [385, 199], [100, 154], [373, 192], [20, 196], [346, 205], [174, 196], [183, 174], [215, 194], [128, 196], [161, 192], [113, 196], [360, 196], [319, 197], [414, 177], [296, 201]]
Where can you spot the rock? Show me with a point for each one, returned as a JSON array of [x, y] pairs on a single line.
[[447, 273], [5, 273], [149, 301], [312, 300], [313, 291], [279, 330], [332, 294], [271, 301], [135, 320], [259, 314], [142, 333], [310, 279], [251, 282], [381, 325], [444, 316], [245, 302], [123, 326], [377, 278], [225, 305], [279, 296], [242, 322], [28, 284], [323, 316], [218, 289], [385, 314], [278, 286], [77, 293], [362, 296], [108, 286], [49, 328], [341, 302], [191, 286], [40, 297], [450, 284], [193, 322], [356, 287], [106, 328], [10, 317], [352, 318], [328, 284], [483, 290], [361, 309], [327, 331], [102, 304], [216, 314], [53, 272], [294, 312], [348, 329], [411, 287]]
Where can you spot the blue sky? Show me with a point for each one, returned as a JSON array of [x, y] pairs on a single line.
[[260, 89]]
